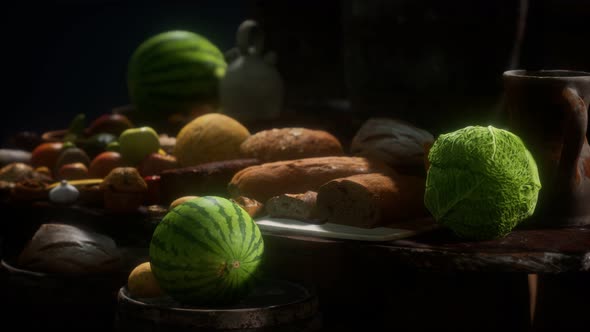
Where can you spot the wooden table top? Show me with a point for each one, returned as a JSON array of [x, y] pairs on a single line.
[[556, 250], [523, 250]]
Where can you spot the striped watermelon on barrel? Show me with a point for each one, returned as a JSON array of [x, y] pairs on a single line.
[[174, 72], [206, 251]]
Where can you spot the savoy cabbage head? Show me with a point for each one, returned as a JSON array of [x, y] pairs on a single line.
[[481, 183]]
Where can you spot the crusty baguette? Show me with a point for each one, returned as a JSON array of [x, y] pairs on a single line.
[[290, 143], [67, 249], [293, 206], [371, 200], [264, 181], [201, 180]]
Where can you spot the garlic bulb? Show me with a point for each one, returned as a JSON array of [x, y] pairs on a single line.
[[64, 193]]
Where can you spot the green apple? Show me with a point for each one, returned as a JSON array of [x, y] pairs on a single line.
[[113, 146], [137, 143]]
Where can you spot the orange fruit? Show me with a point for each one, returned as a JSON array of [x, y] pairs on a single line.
[[73, 171], [142, 283]]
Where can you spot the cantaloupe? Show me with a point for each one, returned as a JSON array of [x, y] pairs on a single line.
[[209, 137]]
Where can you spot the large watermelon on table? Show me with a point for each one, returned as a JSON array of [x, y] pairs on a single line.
[[174, 72], [206, 251]]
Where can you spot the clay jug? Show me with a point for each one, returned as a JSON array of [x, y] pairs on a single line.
[[548, 109], [252, 88]]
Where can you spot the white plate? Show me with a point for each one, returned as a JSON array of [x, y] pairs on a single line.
[[391, 232]]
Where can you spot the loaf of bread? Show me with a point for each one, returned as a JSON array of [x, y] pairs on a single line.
[[201, 180], [69, 250], [397, 143], [16, 172], [293, 206], [252, 206], [371, 200], [264, 181], [9, 156], [290, 143]]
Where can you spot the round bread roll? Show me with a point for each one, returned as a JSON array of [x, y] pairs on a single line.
[[290, 143], [16, 172], [398, 144]]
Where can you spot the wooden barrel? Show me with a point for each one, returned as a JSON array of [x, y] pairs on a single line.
[[58, 302], [272, 306]]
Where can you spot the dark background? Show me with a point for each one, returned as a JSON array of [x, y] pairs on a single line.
[[71, 57], [435, 63]]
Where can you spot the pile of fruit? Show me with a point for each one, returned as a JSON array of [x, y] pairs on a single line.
[[175, 73]]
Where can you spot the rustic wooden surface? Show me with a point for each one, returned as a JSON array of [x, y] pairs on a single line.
[[432, 280], [435, 280], [555, 250]]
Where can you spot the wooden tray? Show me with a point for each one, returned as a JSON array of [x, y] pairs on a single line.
[[391, 232]]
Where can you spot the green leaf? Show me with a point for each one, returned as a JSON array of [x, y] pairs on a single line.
[[76, 128]]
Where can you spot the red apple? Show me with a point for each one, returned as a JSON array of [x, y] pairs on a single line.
[[155, 163], [73, 171], [104, 163], [109, 123], [46, 154], [153, 191]]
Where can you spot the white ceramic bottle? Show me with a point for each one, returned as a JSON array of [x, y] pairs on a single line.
[[252, 88]]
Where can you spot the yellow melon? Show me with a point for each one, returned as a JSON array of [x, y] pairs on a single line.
[[142, 283], [209, 137]]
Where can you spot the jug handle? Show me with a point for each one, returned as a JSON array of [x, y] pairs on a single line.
[[250, 38], [576, 124]]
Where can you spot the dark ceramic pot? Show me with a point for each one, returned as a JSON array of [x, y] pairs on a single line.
[[273, 306]]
